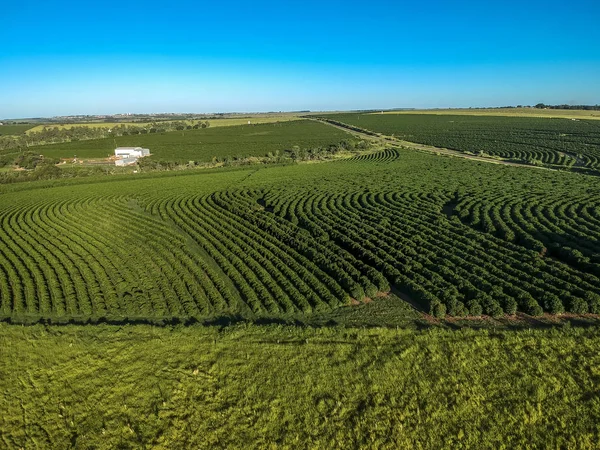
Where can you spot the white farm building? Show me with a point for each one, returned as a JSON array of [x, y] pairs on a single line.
[[128, 152], [129, 155]]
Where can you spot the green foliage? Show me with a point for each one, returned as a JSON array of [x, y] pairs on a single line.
[[578, 306], [561, 143], [203, 144], [475, 308], [593, 301], [453, 236], [31, 160], [438, 310], [272, 386], [14, 130]]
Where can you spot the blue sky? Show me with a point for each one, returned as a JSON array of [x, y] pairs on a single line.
[[110, 57]]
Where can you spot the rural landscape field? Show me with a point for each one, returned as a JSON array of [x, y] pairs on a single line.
[[351, 243], [284, 225]]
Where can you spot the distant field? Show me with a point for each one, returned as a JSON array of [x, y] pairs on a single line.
[[6, 130], [204, 144], [91, 125], [509, 112], [558, 143], [213, 122]]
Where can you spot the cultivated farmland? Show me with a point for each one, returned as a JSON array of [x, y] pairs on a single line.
[[556, 143], [205, 144], [508, 112], [219, 122], [271, 386], [300, 305], [303, 238], [10, 130]]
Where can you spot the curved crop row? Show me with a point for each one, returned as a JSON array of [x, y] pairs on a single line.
[[302, 248]]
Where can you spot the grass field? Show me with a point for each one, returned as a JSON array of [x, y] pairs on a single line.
[[204, 144], [508, 112], [271, 386], [10, 130]]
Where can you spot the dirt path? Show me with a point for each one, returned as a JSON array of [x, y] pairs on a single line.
[[391, 141]]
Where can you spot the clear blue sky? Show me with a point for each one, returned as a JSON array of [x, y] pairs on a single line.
[[111, 57]]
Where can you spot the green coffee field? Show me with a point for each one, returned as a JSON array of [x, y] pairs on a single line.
[[454, 236], [556, 143], [10, 130], [205, 144]]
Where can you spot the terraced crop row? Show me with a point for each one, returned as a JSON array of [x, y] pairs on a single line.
[[386, 155], [565, 228], [278, 252], [401, 238], [100, 258]]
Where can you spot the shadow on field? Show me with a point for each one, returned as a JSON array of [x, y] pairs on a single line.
[[393, 311]]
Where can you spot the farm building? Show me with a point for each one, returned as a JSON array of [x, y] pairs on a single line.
[[129, 152], [126, 156]]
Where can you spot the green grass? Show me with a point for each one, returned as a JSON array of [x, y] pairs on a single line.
[[8, 130], [205, 144], [270, 386]]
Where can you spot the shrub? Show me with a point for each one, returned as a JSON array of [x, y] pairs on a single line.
[[475, 308], [552, 304], [438, 310], [593, 301], [578, 306]]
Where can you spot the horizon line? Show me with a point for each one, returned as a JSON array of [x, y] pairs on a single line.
[[125, 114]]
